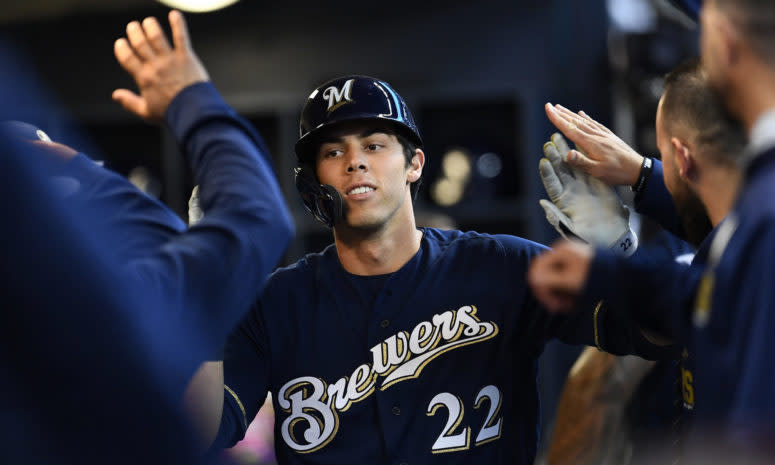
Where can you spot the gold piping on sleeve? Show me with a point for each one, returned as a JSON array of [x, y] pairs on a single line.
[[594, 320], [245, 415]]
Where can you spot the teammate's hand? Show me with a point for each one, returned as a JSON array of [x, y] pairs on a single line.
[[558, 276], [159, 70], [581, 206], [603, 154], [195, 213]]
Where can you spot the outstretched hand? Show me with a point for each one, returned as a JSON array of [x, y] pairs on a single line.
[[605, 156], [159, 70]]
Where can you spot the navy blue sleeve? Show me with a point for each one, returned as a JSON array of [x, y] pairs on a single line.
[[80, 357], [653, 294], [139, 223], [655, 202], [218, 267], [591, 324], [534, 321]]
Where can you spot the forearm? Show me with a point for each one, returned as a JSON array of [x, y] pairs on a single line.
[[215, 270], [652, 295], [590, 409], [203, 401]]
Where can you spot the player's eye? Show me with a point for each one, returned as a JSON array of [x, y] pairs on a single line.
[[373, 146], [330, 153]]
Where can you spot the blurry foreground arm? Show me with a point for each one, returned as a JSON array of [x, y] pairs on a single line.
[[655, 294], [588, 427], [213, 271], [582, 206]]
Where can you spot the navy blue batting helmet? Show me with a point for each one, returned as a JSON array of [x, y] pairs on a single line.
[[350, 98], [347, 98]]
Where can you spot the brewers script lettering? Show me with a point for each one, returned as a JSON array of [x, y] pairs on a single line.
[[400, 357]]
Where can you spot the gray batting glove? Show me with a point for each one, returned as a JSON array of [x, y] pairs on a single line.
[[581, 206], [195, 213]]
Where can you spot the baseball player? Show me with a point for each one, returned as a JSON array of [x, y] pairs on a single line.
[[701, 144], [126, 302], [727, 303], [394, 344]]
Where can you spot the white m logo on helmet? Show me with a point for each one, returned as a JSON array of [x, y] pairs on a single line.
[[337, 98]]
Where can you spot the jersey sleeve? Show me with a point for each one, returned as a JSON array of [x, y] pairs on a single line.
[[592, 323], [139, 224], [246, 374], [646, 294], [215, 270]]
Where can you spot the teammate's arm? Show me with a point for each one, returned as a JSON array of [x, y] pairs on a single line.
[[215, 269], [203, 400], [588, 427]]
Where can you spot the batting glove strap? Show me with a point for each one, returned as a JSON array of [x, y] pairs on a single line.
[[626, 245]]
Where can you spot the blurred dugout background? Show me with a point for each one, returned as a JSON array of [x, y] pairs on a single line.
[[476, 75]]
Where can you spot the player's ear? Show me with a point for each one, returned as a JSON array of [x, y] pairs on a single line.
[[416, 165], [684, 160]]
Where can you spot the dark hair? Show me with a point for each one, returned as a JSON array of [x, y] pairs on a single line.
[[689, 99], [756, 19], [410, 149]]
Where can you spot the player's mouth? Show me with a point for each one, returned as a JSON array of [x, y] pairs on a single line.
[[360, 191]]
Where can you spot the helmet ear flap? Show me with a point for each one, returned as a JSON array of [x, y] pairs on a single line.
[[322, 200]]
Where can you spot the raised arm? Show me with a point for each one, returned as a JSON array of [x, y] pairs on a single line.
[[212, 272]]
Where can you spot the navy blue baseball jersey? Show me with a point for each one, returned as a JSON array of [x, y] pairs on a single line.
[[110, 304], [435, 363]]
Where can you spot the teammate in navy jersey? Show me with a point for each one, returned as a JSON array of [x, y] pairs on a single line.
[[727, 319], [701, 145], [394, 344], [109, 303]]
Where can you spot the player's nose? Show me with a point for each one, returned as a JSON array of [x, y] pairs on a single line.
[[356, 159]]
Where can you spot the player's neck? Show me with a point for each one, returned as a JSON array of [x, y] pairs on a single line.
[[718, 191], [378, 252], [755, 94]]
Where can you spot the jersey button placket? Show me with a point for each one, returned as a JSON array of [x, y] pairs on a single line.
[[396, 410], [385, 323]]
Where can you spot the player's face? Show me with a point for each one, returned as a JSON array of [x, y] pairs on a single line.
[[691, 211], [367, 165]]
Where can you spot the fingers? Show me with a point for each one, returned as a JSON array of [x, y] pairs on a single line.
[[136, 37], [126, 56], [594, 123], [179, 28], [155, 35], [549, 178], [562, 170], [580, 161], [560, 143], [131, 102]]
